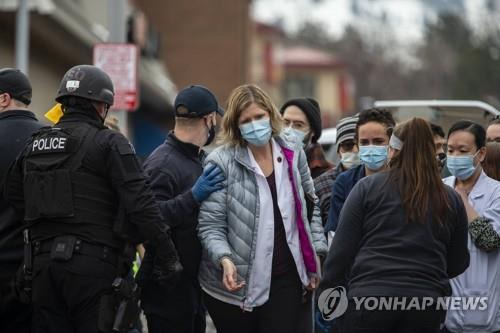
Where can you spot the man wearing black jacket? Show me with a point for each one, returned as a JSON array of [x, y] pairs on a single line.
[[174, 169], [17, 124], [71, 183]]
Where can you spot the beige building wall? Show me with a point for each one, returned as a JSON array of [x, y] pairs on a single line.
[[43, 80], [327, 87], [257, 63], [326, 90]]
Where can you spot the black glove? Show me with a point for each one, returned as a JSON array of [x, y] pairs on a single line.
[[166, 266]]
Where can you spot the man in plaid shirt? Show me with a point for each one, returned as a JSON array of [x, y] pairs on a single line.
[[348, 152]]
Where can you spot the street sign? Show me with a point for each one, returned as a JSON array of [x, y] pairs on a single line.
[[119, 61]]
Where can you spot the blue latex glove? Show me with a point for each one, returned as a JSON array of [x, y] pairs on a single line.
[[210, 181], [323, 325]]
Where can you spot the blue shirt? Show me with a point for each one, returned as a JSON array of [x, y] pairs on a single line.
[[340, 191]]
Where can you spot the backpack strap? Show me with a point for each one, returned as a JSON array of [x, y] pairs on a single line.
[[87, 134]]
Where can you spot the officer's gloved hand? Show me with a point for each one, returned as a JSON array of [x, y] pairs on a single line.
[[209, 182], [166, 267], [322, 324]]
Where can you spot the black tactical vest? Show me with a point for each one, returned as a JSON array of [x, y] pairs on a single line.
[[56, 188]]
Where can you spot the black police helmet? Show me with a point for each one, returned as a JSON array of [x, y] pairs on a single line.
[[86, 81]]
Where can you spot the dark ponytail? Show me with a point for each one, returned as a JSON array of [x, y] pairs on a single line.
[[415, 171]]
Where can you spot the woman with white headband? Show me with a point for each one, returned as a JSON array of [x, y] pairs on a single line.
[[402, 235]]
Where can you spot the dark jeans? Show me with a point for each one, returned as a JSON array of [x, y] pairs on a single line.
[[384, 321], [173, 308], [278, 314], [14, 315], [305, 319], [66, 294]]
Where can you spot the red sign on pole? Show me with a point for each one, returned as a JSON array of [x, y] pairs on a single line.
[[119, 61]]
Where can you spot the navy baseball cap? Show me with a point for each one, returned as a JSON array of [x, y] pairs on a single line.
[[16, 84], [196, 101]]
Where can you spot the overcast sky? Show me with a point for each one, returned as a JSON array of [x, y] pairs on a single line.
[[405, 17]]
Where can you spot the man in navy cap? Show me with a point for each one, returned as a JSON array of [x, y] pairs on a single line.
[[17, 124], [175, 170]]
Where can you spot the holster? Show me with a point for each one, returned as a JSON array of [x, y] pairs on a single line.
[[119, 308], [24, 276]]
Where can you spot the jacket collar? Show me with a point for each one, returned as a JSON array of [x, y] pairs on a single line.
[[76, 115], [17, 113], [478, 190], [242, 156], [188, 148], [481, 183]]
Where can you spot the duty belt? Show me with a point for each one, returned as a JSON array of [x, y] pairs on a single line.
[[102, 252]]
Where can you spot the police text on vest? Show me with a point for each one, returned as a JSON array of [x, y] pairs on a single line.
[[49, 144]]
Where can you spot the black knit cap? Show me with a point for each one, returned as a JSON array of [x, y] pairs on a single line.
[[16, 84], [311, 109]]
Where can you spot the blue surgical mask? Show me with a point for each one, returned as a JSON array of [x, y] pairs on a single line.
[[294, 136], [461, 167], [257, 133], [373, 157]]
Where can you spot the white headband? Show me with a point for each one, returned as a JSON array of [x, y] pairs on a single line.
[[395, 142]]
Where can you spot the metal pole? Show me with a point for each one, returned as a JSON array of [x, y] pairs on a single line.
[[117, 21], [117, 30], [22, 36]]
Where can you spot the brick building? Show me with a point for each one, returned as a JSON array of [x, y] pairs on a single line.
[[203, 42]]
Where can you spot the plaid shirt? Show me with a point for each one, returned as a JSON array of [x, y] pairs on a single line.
[[323, 186]]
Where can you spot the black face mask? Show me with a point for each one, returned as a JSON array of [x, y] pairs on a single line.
[[441, 157], [211, 135]]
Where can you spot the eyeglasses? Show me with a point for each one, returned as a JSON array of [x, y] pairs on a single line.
[[297, 125]]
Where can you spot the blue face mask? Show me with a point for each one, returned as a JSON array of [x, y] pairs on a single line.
[[257, 133], [461, 167], [373, 157], [294, 136]]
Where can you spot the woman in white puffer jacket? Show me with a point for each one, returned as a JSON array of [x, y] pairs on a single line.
[[260, 245]]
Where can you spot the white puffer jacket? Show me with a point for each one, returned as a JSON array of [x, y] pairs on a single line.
[[228, 219]]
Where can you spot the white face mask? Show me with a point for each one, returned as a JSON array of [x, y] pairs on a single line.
[[294, 136], [349, 159]]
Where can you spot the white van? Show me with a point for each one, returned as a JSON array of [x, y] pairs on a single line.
[[327, 141]]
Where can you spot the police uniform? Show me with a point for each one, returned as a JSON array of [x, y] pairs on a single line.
[[71, 182], [16, 127]]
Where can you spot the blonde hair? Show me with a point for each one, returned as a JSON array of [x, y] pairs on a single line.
[[240, 99]]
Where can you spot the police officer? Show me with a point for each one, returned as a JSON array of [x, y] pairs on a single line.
[[175, 170], [17, 124], [69, 183]]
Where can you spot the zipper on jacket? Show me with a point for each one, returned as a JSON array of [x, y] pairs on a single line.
[[252, 248]]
